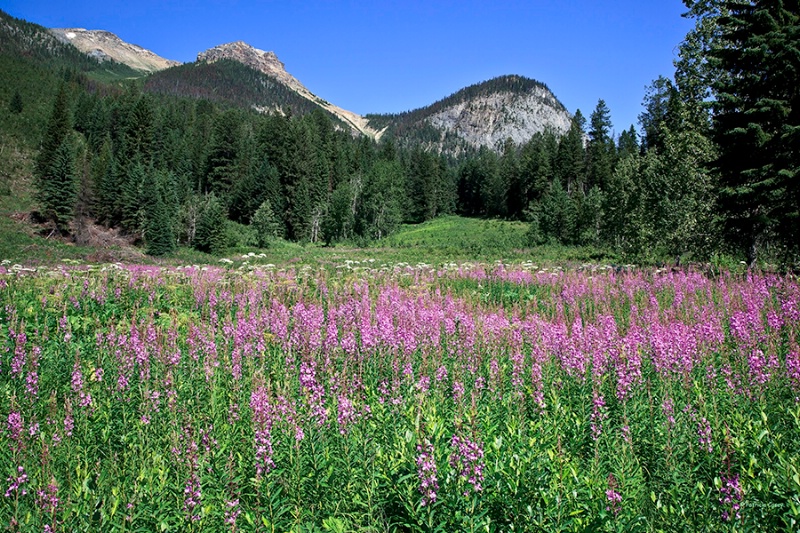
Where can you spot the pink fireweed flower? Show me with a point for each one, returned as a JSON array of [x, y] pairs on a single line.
[[426, 472], [47, 499], [263, 419], [17, 483], [704, 435], [730, 498], [15, 427], [232, 512], [598, 414], [668, 408], [314, 392], [614, 498], [192, 496], [458, 391], [467, 460], [346, 414]]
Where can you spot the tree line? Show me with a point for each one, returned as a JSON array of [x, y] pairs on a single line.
[[175, 170]]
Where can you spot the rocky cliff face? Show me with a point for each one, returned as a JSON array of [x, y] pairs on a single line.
[[488, 120], [104, 45], [485, 114], [269, 64]]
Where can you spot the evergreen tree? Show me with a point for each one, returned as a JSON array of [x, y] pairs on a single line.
[[380, 210], [132, 197], [600, 147], [627, 144], [58, 129], [571, 157], [340, 223], [15, 105], [138, 128], [621, 213], [58, 188], [210, 234], [222, 168], [475, 178], [516, 193], [756, 123], [537, 162], [661, 112], [555, 218], [159, 235]]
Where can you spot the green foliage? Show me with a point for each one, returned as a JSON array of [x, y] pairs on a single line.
[[159, 233], [57, 186], [211, 232], [266, 225], [554, 218], [600, 149], [15, 105], [756, 123]]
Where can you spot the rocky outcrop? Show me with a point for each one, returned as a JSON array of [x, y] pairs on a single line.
[[104, 45], [488, 120]]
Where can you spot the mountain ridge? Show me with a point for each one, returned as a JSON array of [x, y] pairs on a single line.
[[484, 114], [269, 64], [104, 45]]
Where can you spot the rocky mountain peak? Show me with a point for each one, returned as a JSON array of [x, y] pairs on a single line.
[[260, 60], [269, 64], [105, 46]]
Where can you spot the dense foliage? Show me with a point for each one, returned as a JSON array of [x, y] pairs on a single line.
[[471, 398]]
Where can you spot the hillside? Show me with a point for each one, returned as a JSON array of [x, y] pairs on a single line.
[[31, 42], [229, 81], [106, 46], [484, 114]]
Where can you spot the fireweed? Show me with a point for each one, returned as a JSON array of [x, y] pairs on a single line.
[[271, 399]]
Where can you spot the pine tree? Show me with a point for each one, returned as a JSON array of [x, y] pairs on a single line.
[[757, 123], [600, 147], [571, 156], [59, 126], [159, 235], [58, 189], [15, 105], [210, 235]]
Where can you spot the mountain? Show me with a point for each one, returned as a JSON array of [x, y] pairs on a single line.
[[23, 41], [104, 46], [230, 82], [269, 64], [484, 114]]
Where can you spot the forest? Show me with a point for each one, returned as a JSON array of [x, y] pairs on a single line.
[[712, 168]]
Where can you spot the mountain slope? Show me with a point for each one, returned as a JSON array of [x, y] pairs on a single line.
[[269, 64], [484, 114], [26, 41], [104, 46]]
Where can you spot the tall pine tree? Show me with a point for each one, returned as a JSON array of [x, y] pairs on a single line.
[[757, 122]]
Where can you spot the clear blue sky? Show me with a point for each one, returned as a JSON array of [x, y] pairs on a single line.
[[390, 56]]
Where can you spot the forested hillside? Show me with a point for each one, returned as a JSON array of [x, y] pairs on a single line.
[[228, 81], [213, 155]]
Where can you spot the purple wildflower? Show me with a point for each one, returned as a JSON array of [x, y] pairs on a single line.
[[426, 472], [467, 460], [730, 497]]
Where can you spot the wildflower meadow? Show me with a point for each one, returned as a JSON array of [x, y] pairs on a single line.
[[472, 397]]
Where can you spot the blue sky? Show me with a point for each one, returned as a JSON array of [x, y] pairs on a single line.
[[390, 56]]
